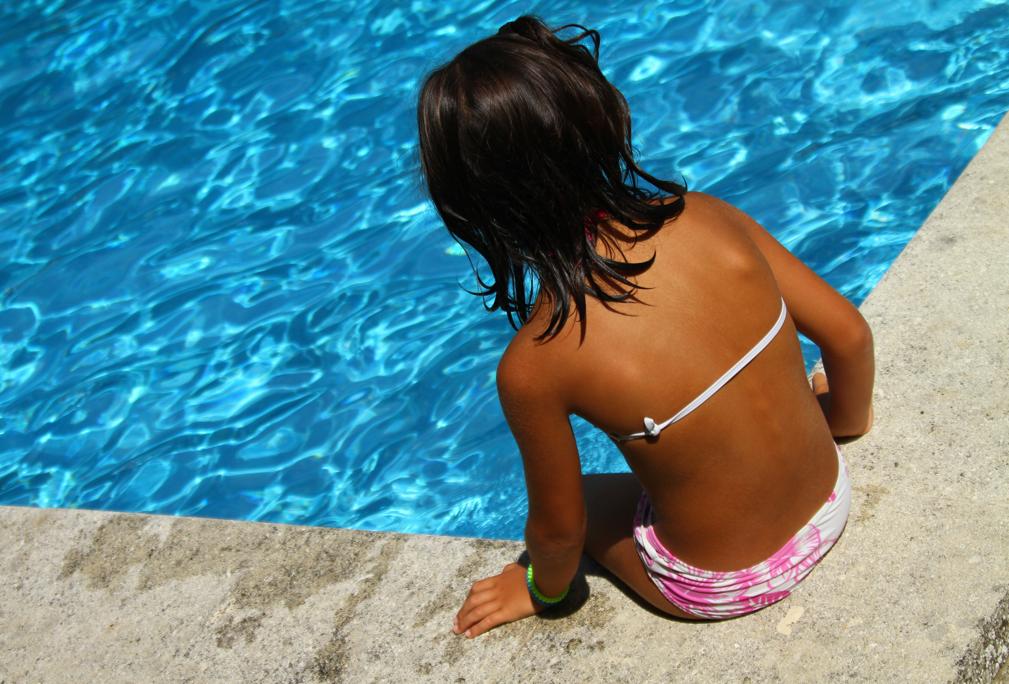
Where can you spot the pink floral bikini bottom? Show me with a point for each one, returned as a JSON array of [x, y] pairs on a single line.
[[716, 595]]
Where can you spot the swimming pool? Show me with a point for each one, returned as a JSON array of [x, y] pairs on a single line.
[[222, 292]]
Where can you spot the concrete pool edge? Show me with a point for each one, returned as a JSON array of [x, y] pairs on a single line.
[[917, 589], [987, 658]]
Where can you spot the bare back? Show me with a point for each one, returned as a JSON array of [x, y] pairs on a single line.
[[737, 477]]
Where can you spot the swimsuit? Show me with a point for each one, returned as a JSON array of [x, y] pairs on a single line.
[[652, 429], [720, 594]]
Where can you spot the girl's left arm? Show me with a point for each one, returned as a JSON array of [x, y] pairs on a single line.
[[555, 528]]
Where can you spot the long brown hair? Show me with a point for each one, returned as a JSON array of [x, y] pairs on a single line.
[[522, 142]]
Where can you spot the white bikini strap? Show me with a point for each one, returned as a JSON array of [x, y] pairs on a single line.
[[652, 429]]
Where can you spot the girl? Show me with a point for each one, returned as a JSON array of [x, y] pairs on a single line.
[[666, 318]]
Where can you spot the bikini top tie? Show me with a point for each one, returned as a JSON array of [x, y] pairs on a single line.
[[652, 429]]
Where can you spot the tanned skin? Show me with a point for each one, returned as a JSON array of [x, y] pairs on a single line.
[[732, 482]]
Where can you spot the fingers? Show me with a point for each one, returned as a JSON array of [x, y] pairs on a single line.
[[819, 383], [480, 619], [489, 622], [471, 608], [481, 586]]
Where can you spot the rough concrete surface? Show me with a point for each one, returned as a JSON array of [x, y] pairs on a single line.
[[916, 590]]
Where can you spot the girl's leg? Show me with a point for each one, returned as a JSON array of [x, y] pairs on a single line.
[[611, 501]]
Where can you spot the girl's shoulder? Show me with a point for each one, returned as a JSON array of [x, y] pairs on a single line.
[[550, 366], [545, 368], [532, 364]]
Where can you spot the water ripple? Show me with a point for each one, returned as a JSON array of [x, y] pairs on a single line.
[[222, 292]]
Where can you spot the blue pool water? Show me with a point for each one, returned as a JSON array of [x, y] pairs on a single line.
[[222, 292]]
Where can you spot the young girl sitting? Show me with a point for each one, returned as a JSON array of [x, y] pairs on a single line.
[[666, 318]]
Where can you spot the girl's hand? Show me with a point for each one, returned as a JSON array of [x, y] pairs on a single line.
[[495, 601], [822, 391]]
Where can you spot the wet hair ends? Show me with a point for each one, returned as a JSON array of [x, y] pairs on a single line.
[[522, 142]]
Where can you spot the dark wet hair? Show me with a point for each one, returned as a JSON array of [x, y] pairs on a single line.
[[523, 142]]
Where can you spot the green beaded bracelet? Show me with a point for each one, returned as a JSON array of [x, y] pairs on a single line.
[[538, 596]]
